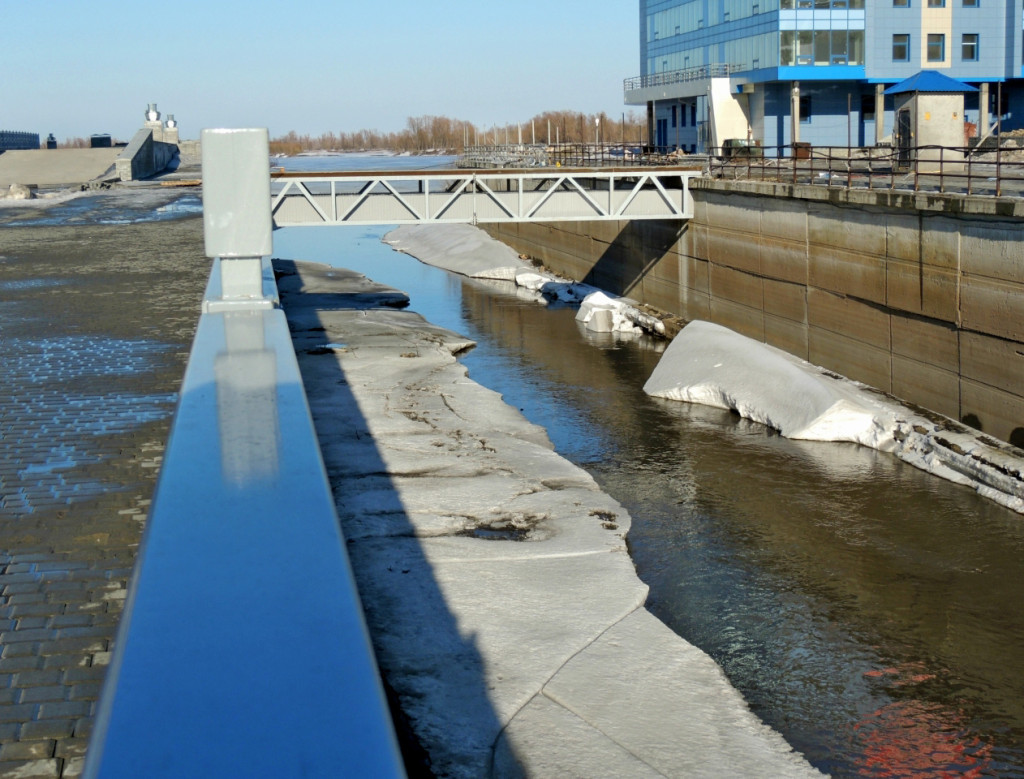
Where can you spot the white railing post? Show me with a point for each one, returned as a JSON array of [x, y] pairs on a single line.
[[237, 226]]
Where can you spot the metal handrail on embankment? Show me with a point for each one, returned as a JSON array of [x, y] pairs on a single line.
[[242, 650], [974, 171], [568, 155]]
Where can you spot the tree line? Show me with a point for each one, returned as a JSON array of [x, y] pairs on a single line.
[[442, 134]]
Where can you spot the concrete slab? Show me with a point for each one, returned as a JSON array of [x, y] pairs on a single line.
[[55, 167]]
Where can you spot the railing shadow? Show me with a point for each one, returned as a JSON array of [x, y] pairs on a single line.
[[433, 673]]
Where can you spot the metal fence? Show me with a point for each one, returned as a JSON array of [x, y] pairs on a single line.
[[569, 155], [11, 140], [700, 73], [994, 171]]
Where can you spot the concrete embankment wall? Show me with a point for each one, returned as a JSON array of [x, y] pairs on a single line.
[[144, 157], [920, 295]]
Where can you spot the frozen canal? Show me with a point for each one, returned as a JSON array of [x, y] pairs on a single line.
[[870, 612]]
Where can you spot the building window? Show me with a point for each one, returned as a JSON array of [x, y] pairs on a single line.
[[805, 109], [674, 116], [867, 108], [969, 47], [936, 47], [901, 3], [901, 47], [970, 3], [936, 3]]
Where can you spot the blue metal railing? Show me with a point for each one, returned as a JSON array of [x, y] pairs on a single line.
[[242, 650]]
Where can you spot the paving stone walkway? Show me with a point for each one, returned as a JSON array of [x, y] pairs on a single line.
[[95, 325]]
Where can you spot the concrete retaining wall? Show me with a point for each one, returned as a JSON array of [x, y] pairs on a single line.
[[144, 157], [921, 296]]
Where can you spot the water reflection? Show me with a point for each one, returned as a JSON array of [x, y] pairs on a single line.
[[868, 611], [247, 415]]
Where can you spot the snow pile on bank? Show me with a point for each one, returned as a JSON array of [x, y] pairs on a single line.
[[714, 366], [468, 250], [602, 313], [458, 248]]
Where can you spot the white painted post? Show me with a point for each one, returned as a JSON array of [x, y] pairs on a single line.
[[237, 225]]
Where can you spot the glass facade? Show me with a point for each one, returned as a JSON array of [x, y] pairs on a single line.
[[833, 53], [821, 47], [750, 35]]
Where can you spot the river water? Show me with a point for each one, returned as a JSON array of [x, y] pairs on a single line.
[[871, 613]]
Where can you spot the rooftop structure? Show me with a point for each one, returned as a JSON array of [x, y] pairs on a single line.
[[779, 72]]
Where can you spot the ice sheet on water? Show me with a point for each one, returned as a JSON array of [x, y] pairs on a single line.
[[712, 365]]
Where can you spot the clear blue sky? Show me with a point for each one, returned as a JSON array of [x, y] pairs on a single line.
[[74, 67]]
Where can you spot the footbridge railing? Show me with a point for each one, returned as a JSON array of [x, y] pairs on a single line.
[[242, 650], [474, 196]]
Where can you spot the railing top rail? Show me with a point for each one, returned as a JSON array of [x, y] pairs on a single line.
[[698, 73], [646, 170]]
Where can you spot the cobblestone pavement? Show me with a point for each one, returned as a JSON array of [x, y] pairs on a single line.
[[95, 326]]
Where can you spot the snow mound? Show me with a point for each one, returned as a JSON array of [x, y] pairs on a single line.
[[712, 365], [468, 250], [459, 248], [602, 313]]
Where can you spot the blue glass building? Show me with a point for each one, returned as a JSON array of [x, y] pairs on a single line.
[[785, 71]]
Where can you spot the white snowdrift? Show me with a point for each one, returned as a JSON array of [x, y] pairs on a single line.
[[714, 366], [458, 248], [468, 250], [602, 313]]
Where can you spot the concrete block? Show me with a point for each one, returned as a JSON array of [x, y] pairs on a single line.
[[903, 235], [734, 249], [662, 267], [995, 362], [940, 241], [784, 219], [658, 235], [700, 206], [847, 272], [928, 341], [736, 286], [786, 334], [694, 304], [661, 294], [739, 213], [783, 259], [694, 242], [846, 228], [926, 385], [921, 289], [992, 307], [742, 319], [603, 231], [694, 274], [788, 301], [850, 357], [993, 411], [993, 249], [853, 319]]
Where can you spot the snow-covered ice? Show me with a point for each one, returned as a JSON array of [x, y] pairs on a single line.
[[469, 251], [710, 364], [505, 610]]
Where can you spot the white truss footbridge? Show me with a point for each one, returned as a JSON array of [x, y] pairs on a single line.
[[480, 196]]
